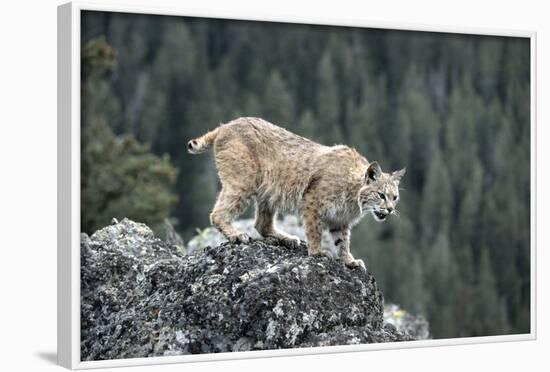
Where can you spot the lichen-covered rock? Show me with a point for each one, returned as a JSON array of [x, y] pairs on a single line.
[[141, 298], [415, 325]]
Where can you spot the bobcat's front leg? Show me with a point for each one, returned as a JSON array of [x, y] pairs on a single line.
[[341, 238], [313, 225]]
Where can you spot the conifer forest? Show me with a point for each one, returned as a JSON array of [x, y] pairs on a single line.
[[454, 109]]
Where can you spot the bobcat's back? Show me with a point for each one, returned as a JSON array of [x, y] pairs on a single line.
[[278, 163]]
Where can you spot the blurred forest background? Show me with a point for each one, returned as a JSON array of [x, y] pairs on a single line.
[[454, 109]]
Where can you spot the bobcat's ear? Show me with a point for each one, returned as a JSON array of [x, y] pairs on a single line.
[[373, 172], [397, 175]]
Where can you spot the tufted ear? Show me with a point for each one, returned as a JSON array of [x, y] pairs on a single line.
[[373, 172], [397, 175]]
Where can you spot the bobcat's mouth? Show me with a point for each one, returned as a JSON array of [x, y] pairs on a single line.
[[379, 216]]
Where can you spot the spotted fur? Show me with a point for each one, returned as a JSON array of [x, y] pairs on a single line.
[[330, 186]]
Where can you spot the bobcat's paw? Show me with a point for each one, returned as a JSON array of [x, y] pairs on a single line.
[[356, 263], [290, 242], [239, 239], [316, 252]]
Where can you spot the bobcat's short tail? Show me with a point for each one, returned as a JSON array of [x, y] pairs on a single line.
[[203, 143]]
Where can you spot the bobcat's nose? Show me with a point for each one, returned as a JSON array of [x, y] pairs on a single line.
[[390, 210]]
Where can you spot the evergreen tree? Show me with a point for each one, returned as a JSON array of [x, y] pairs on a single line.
[[278, 103], [441, 272], [469, 213], [488, 319], [121, 178], [453, 109], [465, 314], [365, 123], [307, 124], [436, 202], [418, 122], [98, 63], [328, 107]]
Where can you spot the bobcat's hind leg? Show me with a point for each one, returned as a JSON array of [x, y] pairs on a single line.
[[237, 170], [265, 217], [229, 205]]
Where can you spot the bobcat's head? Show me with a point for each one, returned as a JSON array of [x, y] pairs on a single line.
[[380, 192]]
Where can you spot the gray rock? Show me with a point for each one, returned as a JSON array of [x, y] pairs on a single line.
[[140, 297], [415, 325]]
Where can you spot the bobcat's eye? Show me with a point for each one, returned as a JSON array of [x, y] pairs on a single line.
[[395, 197], [382, 196]]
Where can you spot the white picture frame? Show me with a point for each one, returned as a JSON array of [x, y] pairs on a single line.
[[69, 185]]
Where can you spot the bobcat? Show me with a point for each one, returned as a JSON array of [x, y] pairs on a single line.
[[332, 187]]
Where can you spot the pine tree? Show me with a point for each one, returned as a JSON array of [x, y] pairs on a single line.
[[417, 128], [121, 178], [406, 265], [307, 124], [98, 64], [364, 127], [328, 107], [453, 109], [441, 273], [460, 136], [465, 230], [436, 201], [464, 312], [488, 320], [278, 106]]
